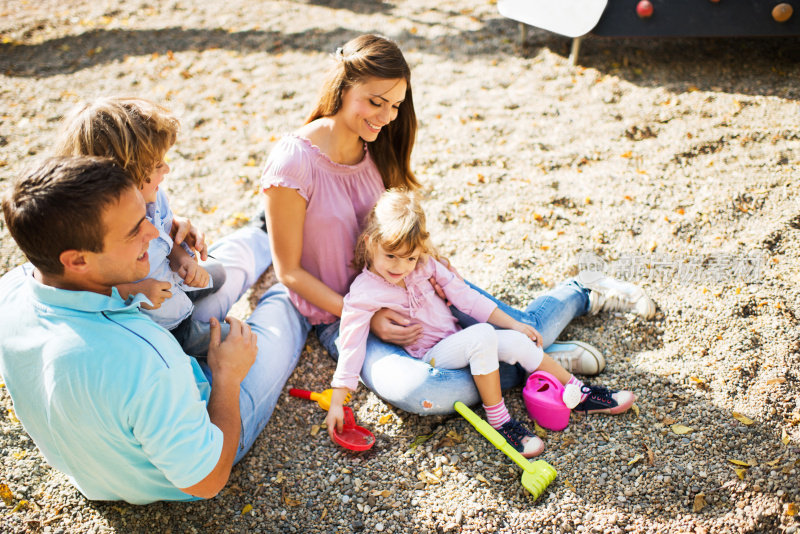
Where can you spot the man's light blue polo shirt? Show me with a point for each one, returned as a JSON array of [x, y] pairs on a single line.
[[108, 396]]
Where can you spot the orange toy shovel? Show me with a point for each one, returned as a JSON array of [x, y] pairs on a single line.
[[323, 399]]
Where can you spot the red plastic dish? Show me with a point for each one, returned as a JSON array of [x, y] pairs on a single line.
[[352, 436]]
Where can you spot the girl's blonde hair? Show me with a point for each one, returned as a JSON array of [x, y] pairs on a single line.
[[397, 223], [373, 56], [135, 133]]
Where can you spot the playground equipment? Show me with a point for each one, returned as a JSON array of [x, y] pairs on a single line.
[[654, 18]]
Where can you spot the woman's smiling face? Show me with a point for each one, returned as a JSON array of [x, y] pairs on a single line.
[[369, 106]]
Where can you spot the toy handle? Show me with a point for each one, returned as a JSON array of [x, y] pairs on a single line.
[[544, 377], [302, 393], [493, 436]]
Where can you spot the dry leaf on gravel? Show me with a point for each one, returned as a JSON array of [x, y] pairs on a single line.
[[20, 505], [6, 495], [287, 499], [742, 418], [237, 220], [699, 502], [385, 419], [450, 439], [419, 440], [651, 457], [428, 477], [541, 432]]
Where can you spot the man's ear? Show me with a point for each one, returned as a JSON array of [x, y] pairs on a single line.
[[74, 261]]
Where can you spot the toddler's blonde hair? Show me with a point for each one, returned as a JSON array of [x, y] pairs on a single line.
[[134, 132], [397, 223]]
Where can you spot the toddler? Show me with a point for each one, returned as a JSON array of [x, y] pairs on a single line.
[[136, 134]]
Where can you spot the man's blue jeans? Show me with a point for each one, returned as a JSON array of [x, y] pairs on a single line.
[[280, 329]]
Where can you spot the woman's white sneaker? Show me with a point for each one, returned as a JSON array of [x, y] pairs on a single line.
[[609, 294], [577, 357]]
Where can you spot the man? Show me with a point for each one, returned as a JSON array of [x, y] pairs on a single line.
[[107, 395]]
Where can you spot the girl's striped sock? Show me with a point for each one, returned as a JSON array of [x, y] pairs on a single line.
[[497, 414]]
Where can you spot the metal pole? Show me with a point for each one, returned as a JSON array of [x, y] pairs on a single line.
[[573, 54]]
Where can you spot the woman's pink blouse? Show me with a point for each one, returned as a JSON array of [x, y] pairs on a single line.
[[338, 199]]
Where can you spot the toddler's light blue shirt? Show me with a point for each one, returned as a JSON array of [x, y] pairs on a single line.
[[178, 307]]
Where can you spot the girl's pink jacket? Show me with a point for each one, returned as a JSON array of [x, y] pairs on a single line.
[[418, 301]]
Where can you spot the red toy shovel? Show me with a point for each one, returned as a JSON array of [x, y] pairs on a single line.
[[352, 436]]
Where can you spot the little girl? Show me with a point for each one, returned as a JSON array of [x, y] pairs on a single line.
[[397, 262]]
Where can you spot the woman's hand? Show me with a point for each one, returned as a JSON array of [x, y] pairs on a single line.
[[335, 417], [393, 327], [529, 331]]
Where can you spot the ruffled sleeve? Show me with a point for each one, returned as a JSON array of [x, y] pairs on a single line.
[[289, 165]]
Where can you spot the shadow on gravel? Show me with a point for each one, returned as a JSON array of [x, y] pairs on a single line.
[[629, 470], [634, 470], [364, 7], [768, 66], [73, 53], [637, 468]]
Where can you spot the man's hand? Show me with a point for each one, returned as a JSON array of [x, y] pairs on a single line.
[[182, 230], [393, 327], [233, 357], [229, 361], [193, 275]]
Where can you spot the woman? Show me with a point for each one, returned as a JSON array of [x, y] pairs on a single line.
[[319, 185]]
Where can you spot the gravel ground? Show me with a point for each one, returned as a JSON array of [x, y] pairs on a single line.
[[674, 162]]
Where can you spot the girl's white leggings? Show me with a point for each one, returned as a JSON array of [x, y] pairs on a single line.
[[482, 347]]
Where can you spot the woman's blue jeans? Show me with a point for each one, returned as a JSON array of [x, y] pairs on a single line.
[[414, 386]]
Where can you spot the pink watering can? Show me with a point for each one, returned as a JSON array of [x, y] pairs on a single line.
[[543, 395]]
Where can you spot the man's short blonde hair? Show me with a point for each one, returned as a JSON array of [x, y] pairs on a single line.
[[135, 133]]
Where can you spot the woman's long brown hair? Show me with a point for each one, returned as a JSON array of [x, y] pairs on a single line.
[[373, 56]]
